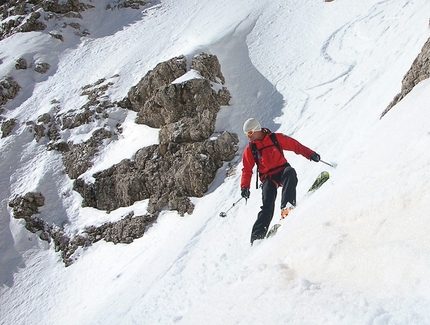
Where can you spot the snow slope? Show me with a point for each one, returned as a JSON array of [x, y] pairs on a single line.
[[354, 252]]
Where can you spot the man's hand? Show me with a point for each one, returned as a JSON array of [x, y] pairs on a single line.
[[245, 193], [315, 157]]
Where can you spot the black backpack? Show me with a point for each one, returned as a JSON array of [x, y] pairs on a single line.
[[254, 149]]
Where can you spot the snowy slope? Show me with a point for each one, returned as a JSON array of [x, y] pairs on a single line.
[[355, 252]]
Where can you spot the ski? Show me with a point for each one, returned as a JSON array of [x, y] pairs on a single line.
[[319, 181], [273, 230]]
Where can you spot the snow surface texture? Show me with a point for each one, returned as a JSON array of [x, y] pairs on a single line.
[[354, 252]]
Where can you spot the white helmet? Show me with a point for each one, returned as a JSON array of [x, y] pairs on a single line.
[[251, 124]]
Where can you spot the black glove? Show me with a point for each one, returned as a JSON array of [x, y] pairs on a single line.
[[245, 193], [315, 157]]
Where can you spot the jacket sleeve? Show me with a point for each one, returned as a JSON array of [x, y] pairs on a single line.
[[248, 163], [290, 144]]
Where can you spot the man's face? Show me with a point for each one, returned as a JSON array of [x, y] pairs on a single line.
[[256, 136]]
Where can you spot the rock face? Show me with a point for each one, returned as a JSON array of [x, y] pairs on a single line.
[[42, 67], [123, 231], [186, 160], [169, 179], [20, 16], [209, 68], [25, 16], [419, 71], [8, 89], [164, 73], [21, 64], [8, 126], [181, 166], [77, 157], [185, 112]]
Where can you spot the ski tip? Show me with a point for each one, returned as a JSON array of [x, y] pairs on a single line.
[[321, 179]]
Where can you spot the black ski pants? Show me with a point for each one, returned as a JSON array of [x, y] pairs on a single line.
[[288, 180]]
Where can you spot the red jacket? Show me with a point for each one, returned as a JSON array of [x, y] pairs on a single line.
[[271, 161]]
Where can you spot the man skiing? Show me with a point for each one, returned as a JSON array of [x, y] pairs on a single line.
[[266, 150]]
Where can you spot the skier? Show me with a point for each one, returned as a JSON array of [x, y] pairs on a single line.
[[266, 150]]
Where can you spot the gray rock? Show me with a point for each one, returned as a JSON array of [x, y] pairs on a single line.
[[42, 67], [188, 102], [185, 162], [209, 67], [183, 165], [21, 64], [62, 7], [163, 74], [123, 231], [9, 89], [8, 126], [44, 118], [39, 132], [185, 170], [27, 205], [77, 159], [419, 71]]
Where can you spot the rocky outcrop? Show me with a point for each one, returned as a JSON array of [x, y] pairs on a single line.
[[42, 67], [208, 67], [164, 73], [21, 24], [183, 165], [77, 158], [94, 109], [39, 67], [19, 16], [9, 89], [21, 64], [419, 71], [25, 16], [45, 126], [185, 112], [186, 160], [169, 179], [134, 4], [8, 126], [27, 205], [62, 7], [123, 231]]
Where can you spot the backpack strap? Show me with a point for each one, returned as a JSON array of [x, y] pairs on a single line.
[[254, 151], [275, 142]]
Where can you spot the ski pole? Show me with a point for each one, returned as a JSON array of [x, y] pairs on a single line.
[[331, 165], [224, 214]]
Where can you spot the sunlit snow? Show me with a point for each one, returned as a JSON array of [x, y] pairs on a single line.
[[357, 251]]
